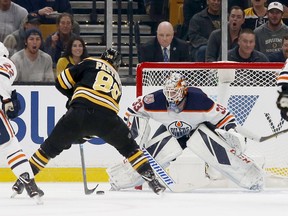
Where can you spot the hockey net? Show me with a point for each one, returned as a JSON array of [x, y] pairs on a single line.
[[248, 90]]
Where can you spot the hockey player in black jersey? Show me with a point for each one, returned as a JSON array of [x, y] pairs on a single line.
[[94, 89]]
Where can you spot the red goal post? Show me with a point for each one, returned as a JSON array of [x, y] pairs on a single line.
[[249, 91]]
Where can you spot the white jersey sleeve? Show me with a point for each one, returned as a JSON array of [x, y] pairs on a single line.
[[8, 73], [282, 79], [136, 108]]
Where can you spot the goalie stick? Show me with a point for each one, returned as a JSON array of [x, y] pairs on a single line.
[[160, 171], [167, 179], [86, 189], [257, 138]]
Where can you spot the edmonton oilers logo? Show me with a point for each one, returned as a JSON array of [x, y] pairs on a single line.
[[179, 128]]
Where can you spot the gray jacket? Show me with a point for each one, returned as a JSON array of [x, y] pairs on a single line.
[[268, 41], [200, 27]]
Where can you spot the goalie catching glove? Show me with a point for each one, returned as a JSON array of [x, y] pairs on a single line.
[[233, 139], [282, 104], [11, 106]]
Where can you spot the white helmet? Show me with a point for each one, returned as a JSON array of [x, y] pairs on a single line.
[[175, 88], [3, 50]]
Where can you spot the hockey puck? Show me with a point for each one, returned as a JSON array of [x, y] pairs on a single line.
[[100, 192]]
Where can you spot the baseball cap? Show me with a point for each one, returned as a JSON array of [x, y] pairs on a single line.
[[33, 18], [275, 5], [32, 31]]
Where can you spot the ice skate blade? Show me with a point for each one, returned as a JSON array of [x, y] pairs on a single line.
[[14, 194], [38, 200]]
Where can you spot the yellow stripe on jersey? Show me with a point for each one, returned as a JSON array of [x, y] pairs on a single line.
[[99, 94], [137, 160], [249, 13], [65, 79], [136, 155], [97, 98], [41, 157], [36, 164]]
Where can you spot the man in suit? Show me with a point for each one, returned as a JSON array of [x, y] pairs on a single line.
[[164, 47]]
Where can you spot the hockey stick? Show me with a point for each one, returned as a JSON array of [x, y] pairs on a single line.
[[86, 189], [250, 135], [159, 170], [167, 179]]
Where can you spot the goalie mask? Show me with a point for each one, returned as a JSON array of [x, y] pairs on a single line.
[[3, 50], [175, 89], [113, 57]]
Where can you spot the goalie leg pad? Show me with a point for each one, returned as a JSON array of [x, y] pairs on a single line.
[[123, 176], [238, 168], [163, 147]]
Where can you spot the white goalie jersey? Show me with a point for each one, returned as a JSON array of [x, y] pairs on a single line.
[[222, 142], [198, 109], [8, 74]]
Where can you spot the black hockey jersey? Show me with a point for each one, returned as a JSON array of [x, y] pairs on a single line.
[[93, 82]]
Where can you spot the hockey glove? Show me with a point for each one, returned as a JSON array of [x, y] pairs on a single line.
[[233, 139], [11, 106], [282, 104]]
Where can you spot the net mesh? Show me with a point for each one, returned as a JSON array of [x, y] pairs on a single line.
[[209, 77], [206, 75]]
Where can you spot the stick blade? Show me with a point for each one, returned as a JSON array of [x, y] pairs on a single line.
[[90, 191]]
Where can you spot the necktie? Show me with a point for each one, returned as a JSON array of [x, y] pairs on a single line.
[[166, 58]]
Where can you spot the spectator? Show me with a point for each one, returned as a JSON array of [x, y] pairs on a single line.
[[16, 40], [190, 8], [157, 9], [56, 43], [176, 49], [245, 51], [269, 35], [200, 27], [285, 9], [236, 19], [11, 17], [48, 10], [33, 65], [74, 53], [282, 55], [255, 15]]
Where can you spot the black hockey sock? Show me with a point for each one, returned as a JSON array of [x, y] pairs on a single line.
[[38, 161], [138, 161]]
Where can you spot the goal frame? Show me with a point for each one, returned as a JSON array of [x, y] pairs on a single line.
[[200, 65], [249, 92]]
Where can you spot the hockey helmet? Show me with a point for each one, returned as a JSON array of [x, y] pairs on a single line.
[[3, 50], [175, 88], [113, 57]]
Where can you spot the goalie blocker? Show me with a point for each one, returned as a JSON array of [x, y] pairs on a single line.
[[205, 144]]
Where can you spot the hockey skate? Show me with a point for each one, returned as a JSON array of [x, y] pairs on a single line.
[[30, 186], [153, 183]]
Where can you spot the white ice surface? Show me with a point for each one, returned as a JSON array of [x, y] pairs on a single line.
[[63, 199]]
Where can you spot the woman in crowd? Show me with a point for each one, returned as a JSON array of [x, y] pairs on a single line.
[[74, 53]]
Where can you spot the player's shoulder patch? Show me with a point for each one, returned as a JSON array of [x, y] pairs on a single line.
[[148, 99]]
